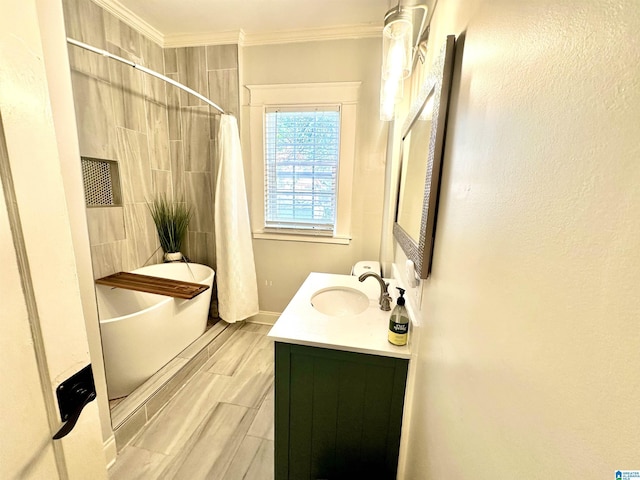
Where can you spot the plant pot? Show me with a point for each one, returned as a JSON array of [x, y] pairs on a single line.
[[173, 257]]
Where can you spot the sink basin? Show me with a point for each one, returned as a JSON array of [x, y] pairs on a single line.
[[339, 301]]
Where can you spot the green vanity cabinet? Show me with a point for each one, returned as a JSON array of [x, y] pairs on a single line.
[[338, 414]]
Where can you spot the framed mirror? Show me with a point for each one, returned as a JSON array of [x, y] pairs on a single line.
[[422, 147]]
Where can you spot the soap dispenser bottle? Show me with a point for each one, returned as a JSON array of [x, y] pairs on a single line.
[[399, 322]]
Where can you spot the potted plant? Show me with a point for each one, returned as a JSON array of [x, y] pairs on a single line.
[[171, 219]]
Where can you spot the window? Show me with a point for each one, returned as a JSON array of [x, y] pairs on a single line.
[[302, 157], [302, 151]]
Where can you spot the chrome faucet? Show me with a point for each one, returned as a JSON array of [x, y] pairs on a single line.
[[385, 298]]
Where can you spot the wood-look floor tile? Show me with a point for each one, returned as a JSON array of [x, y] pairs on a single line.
[[174, 425], [253, 379], [260, 328], [209, 451], [233, 354], [137, 463], [253, 460], [242, 459], [216, 426], [261, 467], [173, 386], [222, 339], [263, 424]]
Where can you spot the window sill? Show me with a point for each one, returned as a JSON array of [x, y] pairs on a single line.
[[290, 237]]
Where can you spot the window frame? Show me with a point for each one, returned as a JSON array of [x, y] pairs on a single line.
[[305, 95]]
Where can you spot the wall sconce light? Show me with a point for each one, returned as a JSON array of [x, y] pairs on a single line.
[[391, 91], [398, 50]]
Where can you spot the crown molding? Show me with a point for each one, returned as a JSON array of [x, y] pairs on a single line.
[[200, 39], [134, 21], [269, 38], [345, 32]]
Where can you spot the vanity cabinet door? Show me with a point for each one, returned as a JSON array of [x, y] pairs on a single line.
[[338, 414]]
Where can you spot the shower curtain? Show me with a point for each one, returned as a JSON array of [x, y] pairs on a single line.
[[235, 266]]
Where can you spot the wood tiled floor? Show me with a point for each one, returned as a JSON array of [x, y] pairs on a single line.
[[219, 426]]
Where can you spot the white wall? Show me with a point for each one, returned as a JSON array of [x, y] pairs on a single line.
[[282, 266], [527, 361], [51, 301], [58, 75]]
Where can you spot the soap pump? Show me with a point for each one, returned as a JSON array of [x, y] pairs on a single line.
[[399, 322]]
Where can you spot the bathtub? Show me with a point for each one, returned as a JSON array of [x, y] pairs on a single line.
[[142, 332]]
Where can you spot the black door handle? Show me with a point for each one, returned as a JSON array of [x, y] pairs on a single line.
[[73, 395]]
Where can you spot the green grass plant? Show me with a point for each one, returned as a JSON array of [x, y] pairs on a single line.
[[171, 219]]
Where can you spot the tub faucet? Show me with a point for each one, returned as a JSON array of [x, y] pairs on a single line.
[[385, 298]]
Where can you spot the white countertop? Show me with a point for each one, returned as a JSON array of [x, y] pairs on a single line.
[[365, 332]]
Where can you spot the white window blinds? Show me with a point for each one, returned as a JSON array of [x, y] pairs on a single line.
[[302, 146]]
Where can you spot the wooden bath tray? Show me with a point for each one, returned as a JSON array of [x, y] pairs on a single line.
[[157, 285]]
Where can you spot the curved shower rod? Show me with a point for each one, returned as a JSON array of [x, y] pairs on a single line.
[[153, 73]]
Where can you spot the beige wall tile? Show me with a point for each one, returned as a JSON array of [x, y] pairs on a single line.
[[170, 60], [152, 58], [112, 30], [94, 116], [106, 259], [196, 130], [158, 135], [162, 183], [177, 169], [191, 68], [174, 112], [141, 122], [88, 63], [128, 104], [142, 238], [223, 89], [122, 35], [215, 127], [155, 90], [135, 167], [106, 224], [202, 248], [222, 56], [84, 22], [200, 197]]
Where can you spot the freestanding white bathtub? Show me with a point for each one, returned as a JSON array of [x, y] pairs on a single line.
[[142, 332]]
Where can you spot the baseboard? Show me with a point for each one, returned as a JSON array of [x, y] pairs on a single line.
[[110, 450], [265, 318]]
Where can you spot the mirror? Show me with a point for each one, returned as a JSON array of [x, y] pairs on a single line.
[[422, 147], [415, 145]]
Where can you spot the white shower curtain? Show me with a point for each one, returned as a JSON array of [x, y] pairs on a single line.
[[235, 266]]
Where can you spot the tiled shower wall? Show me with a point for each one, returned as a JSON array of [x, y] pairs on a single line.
[[163, 139], [212, 71]]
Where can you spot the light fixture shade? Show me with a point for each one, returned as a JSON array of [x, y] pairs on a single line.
[[391, 91], [397, 55], [397, 39]]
